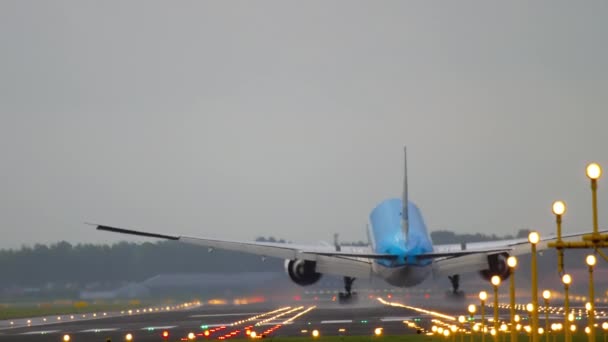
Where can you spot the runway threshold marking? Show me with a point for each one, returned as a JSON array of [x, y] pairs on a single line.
[[421, 310], [337, 321]]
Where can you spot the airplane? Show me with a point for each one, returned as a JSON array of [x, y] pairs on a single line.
[[400, 251]]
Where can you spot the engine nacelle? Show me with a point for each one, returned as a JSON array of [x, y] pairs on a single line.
[[497, 265], [302, 272]]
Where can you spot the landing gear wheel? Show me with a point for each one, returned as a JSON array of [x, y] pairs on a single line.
[[455, 293], [348, 296]]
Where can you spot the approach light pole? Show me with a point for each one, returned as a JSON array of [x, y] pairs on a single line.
[[594, 171], [546, 297], [534, 238], [472, 310], [512, 263], [483, 295], [461, 320], [591, 261], [567, 280], [495, 280], [559, 209]]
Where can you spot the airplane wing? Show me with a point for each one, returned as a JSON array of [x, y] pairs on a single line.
[[352, 262], [462, 258]]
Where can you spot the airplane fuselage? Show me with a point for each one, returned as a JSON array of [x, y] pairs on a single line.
[[387, 236]]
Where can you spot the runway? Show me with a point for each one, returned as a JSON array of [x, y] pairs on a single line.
[[225, 322]]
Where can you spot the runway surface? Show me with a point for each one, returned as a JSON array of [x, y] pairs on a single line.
[[231, 322], [297, 319]]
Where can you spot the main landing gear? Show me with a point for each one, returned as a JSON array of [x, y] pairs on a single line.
[[347, 296], [455, 293]]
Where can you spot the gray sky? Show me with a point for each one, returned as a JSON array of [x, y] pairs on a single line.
[[238, 119]]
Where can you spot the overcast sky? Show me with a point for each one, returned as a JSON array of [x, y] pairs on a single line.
[[236, 119]]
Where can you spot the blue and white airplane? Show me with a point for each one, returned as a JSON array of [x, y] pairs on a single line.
[[400, 251]]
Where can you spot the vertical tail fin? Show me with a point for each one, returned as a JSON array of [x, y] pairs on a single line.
[[405, 227]]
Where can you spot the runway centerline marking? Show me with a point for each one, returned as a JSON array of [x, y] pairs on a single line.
[[395, 319], [99, 330], [226, 314], [39, 332], [160, 327], [337, 321]]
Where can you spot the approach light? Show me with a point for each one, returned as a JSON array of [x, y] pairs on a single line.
[[253, 334], [567, 279], [546, 294], [591, 260], [533, 238], [378, 331], [66, 338], [461, 319], [129, 337], [495, 280], [165, 334], [483, 295], [512, 261], [191, 336], [588, 306], [605, 325], [315, 333], [559, 208], [530, 307], [472, 308], [594, 171]]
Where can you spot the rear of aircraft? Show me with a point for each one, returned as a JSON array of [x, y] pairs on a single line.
[[397, 227]]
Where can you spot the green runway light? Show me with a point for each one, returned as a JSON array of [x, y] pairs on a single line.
[[364, 321], [204, 326]]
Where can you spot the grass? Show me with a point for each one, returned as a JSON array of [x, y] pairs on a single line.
[[579, 337], [14, 311]]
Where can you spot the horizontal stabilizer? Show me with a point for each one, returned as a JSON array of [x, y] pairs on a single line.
[[357, 255], [434, 255], [135, 232]]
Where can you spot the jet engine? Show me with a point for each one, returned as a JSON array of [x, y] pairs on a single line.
[[497, 265], [302, 272]]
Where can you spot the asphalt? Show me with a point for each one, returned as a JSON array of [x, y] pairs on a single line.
[[223, 320], [228, 322]]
